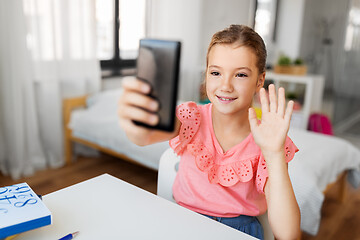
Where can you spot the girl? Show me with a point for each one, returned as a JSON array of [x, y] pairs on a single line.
[[232, 166]]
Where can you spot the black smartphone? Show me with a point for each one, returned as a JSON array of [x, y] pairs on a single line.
[[158, 64]]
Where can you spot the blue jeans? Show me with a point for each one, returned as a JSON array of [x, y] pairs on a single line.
[[247, 224]]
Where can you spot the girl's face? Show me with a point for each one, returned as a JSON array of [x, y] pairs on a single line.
[[232, 78]]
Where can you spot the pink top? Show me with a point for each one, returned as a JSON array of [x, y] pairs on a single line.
[[212, 182]]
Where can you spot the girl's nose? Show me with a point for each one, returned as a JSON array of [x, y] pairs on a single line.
[[226, 84]]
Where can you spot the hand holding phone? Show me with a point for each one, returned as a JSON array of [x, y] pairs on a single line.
[[158, 65]]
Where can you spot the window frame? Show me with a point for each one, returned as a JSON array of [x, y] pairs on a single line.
[[116, 65], [274, 20]]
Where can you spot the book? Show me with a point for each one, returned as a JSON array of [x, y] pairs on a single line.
[[21, 210]]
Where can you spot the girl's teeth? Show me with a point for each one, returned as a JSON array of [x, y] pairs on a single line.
[[225, 99]]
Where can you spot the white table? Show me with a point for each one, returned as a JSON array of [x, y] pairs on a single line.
[[106, 207]]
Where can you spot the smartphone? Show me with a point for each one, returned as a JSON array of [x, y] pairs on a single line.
[[158, 64]]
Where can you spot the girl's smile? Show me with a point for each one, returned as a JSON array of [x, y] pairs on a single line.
[[225, 100]]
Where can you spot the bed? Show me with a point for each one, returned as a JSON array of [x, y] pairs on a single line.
[[321, 161]]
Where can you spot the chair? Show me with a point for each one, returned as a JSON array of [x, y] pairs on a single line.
[[166, 175]]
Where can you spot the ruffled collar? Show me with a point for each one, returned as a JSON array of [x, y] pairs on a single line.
[[241, 170]]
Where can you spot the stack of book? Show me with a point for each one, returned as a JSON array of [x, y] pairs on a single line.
[[21, 209]]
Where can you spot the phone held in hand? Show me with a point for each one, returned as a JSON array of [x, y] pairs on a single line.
[[158, 64]]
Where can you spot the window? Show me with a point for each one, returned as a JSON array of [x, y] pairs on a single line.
[[265, 19], [352, 37], [120, 26]]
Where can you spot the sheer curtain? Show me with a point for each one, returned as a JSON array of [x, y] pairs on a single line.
[[20, 146], [58, 38]]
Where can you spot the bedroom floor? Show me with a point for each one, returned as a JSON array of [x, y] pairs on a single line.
[[339, 220]]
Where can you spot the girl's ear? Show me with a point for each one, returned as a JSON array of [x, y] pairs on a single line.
[[260, 82]]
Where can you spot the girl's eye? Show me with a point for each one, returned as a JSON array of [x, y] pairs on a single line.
[[241, 75], [215, 73]]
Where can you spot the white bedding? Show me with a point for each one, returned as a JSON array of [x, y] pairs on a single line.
[[320, 160], [99, 124]]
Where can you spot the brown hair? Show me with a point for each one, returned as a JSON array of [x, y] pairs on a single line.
[[242, 36]]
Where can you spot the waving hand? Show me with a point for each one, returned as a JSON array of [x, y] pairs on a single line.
[[271, 132]]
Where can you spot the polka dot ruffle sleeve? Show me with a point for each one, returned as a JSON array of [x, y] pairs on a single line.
[[189, 116], [262, 173]]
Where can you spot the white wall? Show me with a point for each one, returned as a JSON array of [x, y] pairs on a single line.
[[179, 20], [217, 15], [193, 22], [323, 59]]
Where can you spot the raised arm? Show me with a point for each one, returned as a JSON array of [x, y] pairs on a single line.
[[134, 104], [270, 135]]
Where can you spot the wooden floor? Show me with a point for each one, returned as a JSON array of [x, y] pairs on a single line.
[[339, 221], [85, 168]]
